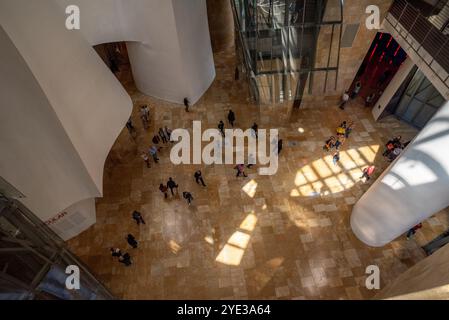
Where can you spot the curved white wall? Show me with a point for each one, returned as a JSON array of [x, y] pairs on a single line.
[[56, 94], [415, 187], [168, 42]]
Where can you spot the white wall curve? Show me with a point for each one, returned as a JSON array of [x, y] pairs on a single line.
[[412, 189], [55, 94], [168, 42]]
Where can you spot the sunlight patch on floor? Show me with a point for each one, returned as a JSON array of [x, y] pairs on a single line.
[[322, 177], [233, 251], [250, 188], [174, 246]]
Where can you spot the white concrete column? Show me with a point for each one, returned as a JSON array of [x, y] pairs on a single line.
[[412, 189], [392, 87]]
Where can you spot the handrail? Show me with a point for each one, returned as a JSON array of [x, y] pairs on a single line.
[[428, 37]]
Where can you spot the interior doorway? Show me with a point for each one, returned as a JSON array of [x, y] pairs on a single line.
[[383, 60], [115, 56]]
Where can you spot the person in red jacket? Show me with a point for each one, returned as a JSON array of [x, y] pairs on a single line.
[[368, 172]]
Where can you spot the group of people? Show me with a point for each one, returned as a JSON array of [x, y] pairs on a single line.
[[163, 135], [342, 133], [173, 187], [393, 148], [346, 95], [125, 258], [231, 120]]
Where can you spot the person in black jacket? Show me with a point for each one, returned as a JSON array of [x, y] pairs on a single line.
[[188, 196], [231, 117], [137, 216], [186, 104], [172, 185], [199, 178], [132, 241]]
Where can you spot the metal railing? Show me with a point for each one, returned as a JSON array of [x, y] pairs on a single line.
[[428, 37]]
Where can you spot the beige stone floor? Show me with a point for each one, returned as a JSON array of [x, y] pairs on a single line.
[[279, 237]]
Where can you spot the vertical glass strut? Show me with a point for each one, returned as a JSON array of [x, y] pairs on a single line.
[[289, 45]]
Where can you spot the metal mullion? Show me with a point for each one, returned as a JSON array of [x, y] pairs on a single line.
[[329, 58]]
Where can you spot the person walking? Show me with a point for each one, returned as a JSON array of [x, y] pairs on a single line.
[[125, 259], [172, 185], [349, 129], [240, 170], [153, 153], [251, 161], [145, 116], [187, 104], [280, 143], [231, 117], [162, 135], [356, 91], [199, 178], [369, 100], [188, 196], [146, 159], [221, 127], [156, 139], [164, 190], [329, 144], [131, 128], [132, 241], [339, 143], [137, 216], [116, 252], [336, 158], [255, 128], [168, 132], [368, 172], [344, 100], [413, 230]]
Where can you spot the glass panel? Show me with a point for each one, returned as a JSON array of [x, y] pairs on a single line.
[[437, 101], [425, 90], [425, 114], [416, 81], [412, 110]]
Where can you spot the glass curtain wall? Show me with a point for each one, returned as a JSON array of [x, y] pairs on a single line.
[[286, 43], [419, 102], [33, 260]]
